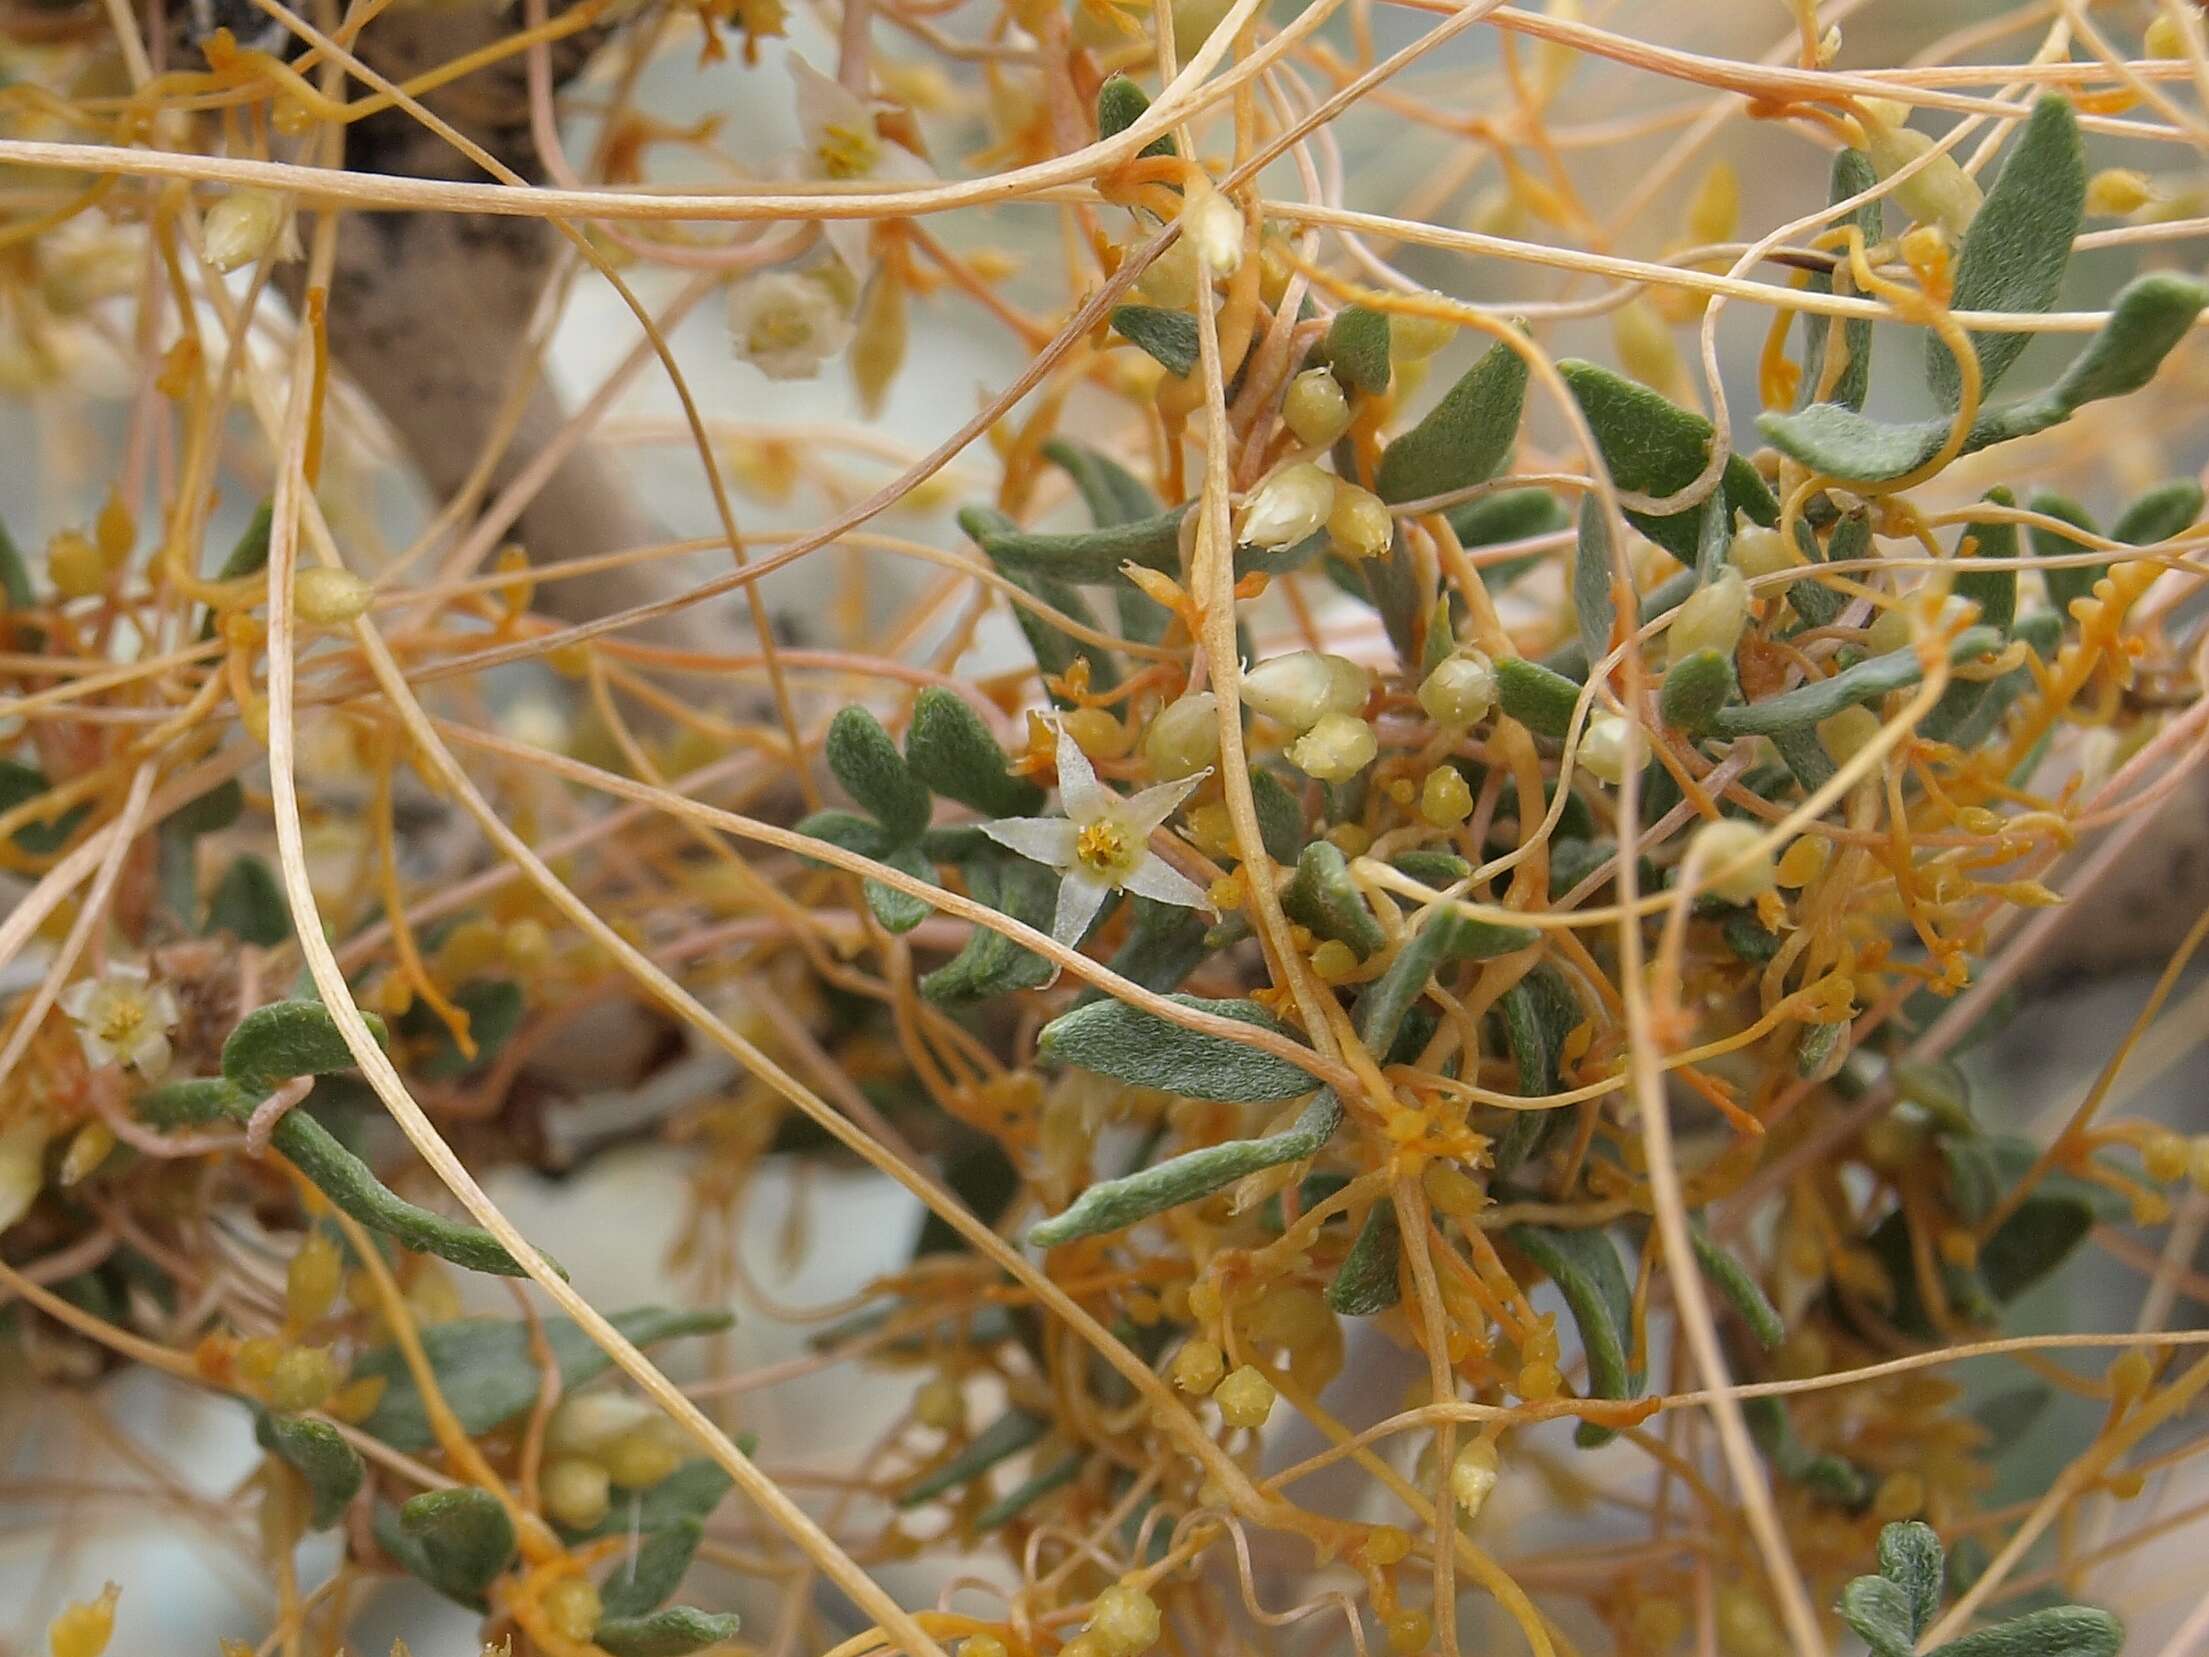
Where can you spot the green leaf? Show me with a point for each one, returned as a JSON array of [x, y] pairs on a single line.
[[1910, 1557], [284, 1039], [900, 911], [1113, 494], [1655, 447], [1087, 557], [1324, 898], [1879, 1611], [989, 963], [2168, 509], [1731, 1278], [1366, 1283], [318, 1453], [248, 556], [2032, 1243], [1852, 176], [1465, 438], [1695, 687], [483, 1367], [15, 575], [874, 774], [1163, 946], [1539, 1012], [216, 809], [846, 830], [2060, 1631], [1114, 1205], [674, 1632], [2063, 585], [949, 748], [1585, 1268], [20, 783], [494, 1009], [1002, 1439], [1132, 1044], [1570, 661], [644, 1580], [1280, 816], [1995, 592], [1120, 104], [1446, 935], [1170, 337], [1538, 698], [1820, 699], [1357, 349], [2015, 252], [1027, 1493], [457, 1541], [1508, 515], [249, 904], [2151, 315], [1829, 1477], [1814, 601], [192, 1104], [1592, 604]]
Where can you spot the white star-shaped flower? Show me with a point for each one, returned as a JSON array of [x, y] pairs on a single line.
[[841, 143], [122, 1019], [1102, 844]]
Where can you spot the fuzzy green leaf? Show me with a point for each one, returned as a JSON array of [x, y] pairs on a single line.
[[1731, 1278], [950, 750], [1002, 1439], [1655, 447], [1113, 494], [249, 904], [1852, 176], [457, 1541], [674, 1632], [2168, 509], [318, 1453], [1280, 816], [1539, 1012], [1357, 349], [1828, 1477], [1585, 1267], [483, 1367], [1163, 946], [1087, 557], [848, 831], [2015, 252], [1027, 1493], [1445, 936], [1536, 697], [1910, 1557], [1324, 898], [1131, 1044], [1508, 515], [1465, 438], [989, 963], [1592, 604], [1366, 1283], [21, 783], [643, 1580], [2077, 581], [1114, 1205], [1879, 1611], [1120, 104], [216, 809], [874, 774], [900, 911], [1820, 699], [2059, 1631], [1695, 687], [284, 1039], [1170, 337], [1995, 592]]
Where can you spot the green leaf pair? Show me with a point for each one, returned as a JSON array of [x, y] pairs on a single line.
[[1892, 1611]]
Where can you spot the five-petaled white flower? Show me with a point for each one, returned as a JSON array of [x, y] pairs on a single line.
[[787, 323], [841, 143], [1102, 844], [122, 1019]]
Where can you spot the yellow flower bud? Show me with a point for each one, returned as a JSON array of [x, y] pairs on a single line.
[[1198, 1367], [1847, 733], [1445, 798], [1336, 749], [302, 1378], [1939, 193], [2164, 1155], [1334, 961], [940, 1405], [312, 1280], [1732, 869], [878, 344], [2116, 191], [1409, 1631], [1712, 618], [88, 1148], [572, 1608], [244, 226], [75, 565], [2165, 38], [84, 1629], [1124, 1621], [1413, 337], [576, 1492], [1096, 733], [1714, 211], [1473, 1475], [1757, 551], [1184, 736], [983, 1645], [1315, 408], [1245, 1398], [325, 597], [1359, 523]]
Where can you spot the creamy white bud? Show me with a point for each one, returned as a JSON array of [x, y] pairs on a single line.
[[1607, 747], [1757, 550], [1336, 749], [1939, 193], [243, 226], [1170, 280], [1712, 618], [1303, 687], [1184, 737], [1316, 408], [1720, 848], [326, 597], [1213, 225], [1473, 1476], [1460, 690], [1360, 524], [589, 1421], [1288, 507]]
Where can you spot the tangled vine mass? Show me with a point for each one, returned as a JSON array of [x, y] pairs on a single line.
[[1282, 790]]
